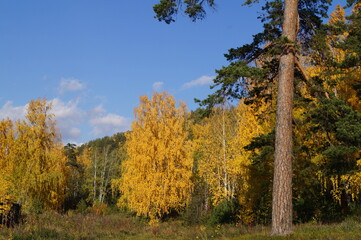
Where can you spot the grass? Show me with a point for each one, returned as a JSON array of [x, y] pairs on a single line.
[[51, 225], [349, 229]]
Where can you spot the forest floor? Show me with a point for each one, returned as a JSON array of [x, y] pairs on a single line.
[[51, 225]]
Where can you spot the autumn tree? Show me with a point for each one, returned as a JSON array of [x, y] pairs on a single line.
[[224, 161], [156, 177], [215, 138], [39, 172], [6, 165]]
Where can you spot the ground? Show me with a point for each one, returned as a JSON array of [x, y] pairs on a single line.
[[52, 225]]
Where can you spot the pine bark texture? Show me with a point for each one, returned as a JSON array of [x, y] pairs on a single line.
[[282, 181]]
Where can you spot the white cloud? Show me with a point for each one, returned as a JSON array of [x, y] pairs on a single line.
[[68, 116], [70, 85], [158, 86], [72, 120], [12, 112], [65, 109], [109, 124], [204, 80]]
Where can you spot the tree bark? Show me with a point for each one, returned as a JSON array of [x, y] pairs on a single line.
[[282, 181]]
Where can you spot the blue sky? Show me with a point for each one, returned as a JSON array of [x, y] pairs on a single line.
[[94, 59]]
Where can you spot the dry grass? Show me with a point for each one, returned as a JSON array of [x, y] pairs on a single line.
[[52, 225]]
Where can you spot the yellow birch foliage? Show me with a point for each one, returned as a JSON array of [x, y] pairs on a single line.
[[6, 144], [221, 139], [215, 138], [84, 158], [156, 177], [253, 121], [40, 172]]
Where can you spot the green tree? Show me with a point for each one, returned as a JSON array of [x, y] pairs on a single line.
[[100, 160], [76, 178]]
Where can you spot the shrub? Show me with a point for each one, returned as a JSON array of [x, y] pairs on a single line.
[[225, 212], [99, 209], [82, 207]]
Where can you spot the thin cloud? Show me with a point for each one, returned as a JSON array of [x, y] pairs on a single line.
[[109, 124], [97, 111], [203, 80], [157, 86], [72, 133], [8, 111], [70, 85]]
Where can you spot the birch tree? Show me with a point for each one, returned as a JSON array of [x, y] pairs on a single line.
[[32, 155], [156, 177]]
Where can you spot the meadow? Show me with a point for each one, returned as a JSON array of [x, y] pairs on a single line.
[[90, 226]]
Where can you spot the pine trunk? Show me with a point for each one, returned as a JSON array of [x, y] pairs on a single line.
[[282, 181]]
